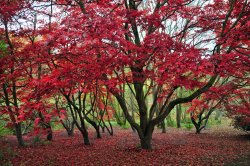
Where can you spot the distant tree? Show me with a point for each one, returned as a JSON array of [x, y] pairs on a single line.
[[11, 79]]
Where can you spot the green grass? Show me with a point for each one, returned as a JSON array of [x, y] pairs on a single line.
[[114, 123], [57, 126], [3, 130], [188, 126], [126, 126]]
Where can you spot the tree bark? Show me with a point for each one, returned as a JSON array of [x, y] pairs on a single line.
[[163, 126], [198, 131], [178, 110], [96, 127], [18, 128], [147, 137], [98, 134], [50, 133], [70, 130], [19, 134], [85, 134], [85, 137], [178, 116], [146, 143], [81, 127]]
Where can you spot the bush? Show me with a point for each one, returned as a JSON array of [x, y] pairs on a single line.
[[4, 130], [242, 123], [126, 126], [57, 126], [189, 125], [171, 123], [36, 140]]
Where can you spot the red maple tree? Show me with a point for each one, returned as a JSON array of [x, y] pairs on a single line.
[[149, 49]]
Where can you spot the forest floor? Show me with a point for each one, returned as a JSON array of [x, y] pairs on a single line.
[[215, 146]]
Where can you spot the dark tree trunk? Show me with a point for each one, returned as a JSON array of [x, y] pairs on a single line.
[[86, 139], [196, 125], [197, 128], [178, 116], [98, 134], [50, 133], [71, 129], [84, 133], [163, 127], [103, 129], [96, 127], [147, 137], [19, 134], [81, 127], [132, 109], [85, 136], [111, 127], [178, 110], [198, 131], [70, 132], [146, 142], [110, 130]]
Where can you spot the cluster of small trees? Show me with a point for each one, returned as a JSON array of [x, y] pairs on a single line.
[[83, 59]]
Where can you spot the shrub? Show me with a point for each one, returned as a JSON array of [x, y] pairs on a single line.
[[189, 125], [242, 123]]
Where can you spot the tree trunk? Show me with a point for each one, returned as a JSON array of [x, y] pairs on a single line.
[[85, 133], [178, 116], [133, 113], [147, 137], [198, 130], [70, 132], [98, 134], [71, 129], [196, 125], [146, 143], [103, 129], [19, 134], [85, 136], [178, 110], [96, 127], [50, 133], [163, 126]]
